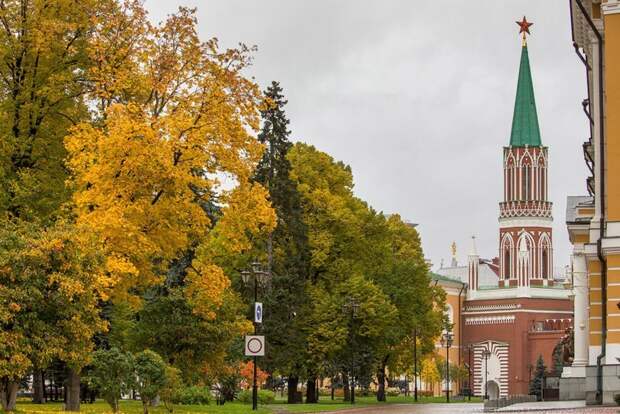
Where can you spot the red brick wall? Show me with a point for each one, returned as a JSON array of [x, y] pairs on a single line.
[[524, 344]]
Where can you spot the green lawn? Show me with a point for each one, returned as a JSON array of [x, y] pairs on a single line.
[[325, 404], [135, 407]]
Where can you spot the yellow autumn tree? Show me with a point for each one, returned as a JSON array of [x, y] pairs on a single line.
[[49, 296], [174, 142], [43, 49], [429, 372]]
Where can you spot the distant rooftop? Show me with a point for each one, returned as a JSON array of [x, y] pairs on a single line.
[[443, 278]]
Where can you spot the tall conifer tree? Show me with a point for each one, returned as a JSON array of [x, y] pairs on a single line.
[[287, 246]]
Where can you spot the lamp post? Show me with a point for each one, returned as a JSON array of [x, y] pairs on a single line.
[[415, 364], [470, 348], [352, 306], [257, 276], [446, 340], [486, 354]]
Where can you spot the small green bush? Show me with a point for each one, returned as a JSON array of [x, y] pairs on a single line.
[[325, 392], [392, 392], [264, 397], [193, 395]]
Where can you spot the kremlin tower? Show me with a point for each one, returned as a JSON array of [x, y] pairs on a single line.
[[525, 248], [511, 312]]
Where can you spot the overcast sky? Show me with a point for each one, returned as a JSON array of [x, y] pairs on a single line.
[[417, 97]]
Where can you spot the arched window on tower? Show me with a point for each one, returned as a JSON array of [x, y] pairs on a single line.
[[509, 179], [545, 256], [507, 264], [541, 179], [506, 255], [526, 180]]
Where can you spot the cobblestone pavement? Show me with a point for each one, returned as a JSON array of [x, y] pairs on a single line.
[[467, 409]]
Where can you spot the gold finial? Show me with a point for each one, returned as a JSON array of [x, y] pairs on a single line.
[[453, 248], [524, 27]]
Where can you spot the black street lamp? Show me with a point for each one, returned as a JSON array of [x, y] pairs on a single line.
[[352, 306], [486, 354], [470, 349], [446, 340], [415, 365], [259, 277]]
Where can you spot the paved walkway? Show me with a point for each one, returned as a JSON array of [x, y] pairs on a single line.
[[546, 405], [452, 408], [553, 407]]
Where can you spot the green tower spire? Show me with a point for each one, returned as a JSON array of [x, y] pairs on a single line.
[[525, 129]]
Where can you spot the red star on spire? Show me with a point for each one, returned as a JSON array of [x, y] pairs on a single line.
[[524, 26]]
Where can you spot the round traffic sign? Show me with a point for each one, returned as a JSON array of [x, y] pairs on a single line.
[[255, 345]]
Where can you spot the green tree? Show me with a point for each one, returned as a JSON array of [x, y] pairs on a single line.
[[150, 372], [49, 292], [403, 276], [334, 219], [171, 387], [112, 374], [286, 246], [346, 325], [348, 238], [44, 49], [459, 373], [537, 382], [167, 325]]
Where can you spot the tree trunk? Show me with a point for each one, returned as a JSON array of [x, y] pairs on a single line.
[[8, 394], [381, 383], [292, 390], [38, 382], [333, 387], [113, 401], [345, 387], [316, 390], [72, 392], [145, 407], [381, 379], [311, 391]]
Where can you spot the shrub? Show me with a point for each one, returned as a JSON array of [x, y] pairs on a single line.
[[325, 392], [150, 371], [617, 399], [392, 392], [193, 396], [264, 397], [171, 387], [111, 375]]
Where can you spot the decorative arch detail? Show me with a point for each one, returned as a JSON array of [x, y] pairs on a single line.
[[525, 250], [545, 259], [507, 251]]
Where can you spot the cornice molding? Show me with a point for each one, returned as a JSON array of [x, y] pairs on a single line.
[[611, 7]]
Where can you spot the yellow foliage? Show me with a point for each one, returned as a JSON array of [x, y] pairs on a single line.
[[206, 283], [429, 372], [49, 296], [174, 144]]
